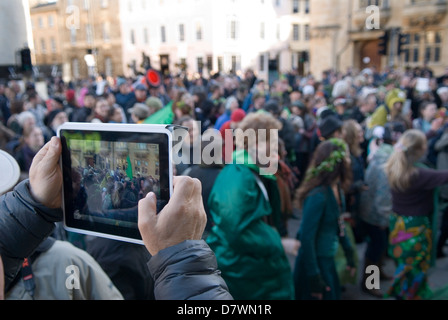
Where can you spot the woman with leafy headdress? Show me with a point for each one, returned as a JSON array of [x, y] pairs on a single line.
[[321, 198]]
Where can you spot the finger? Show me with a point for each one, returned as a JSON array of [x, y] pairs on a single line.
[[147, 210], [183, 189]]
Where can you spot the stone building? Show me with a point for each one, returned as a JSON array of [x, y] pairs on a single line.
[[346, 34]]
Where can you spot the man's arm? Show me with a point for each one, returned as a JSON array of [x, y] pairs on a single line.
[[188, 271], [183, 266]]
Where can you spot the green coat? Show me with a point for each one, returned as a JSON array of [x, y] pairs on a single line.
[[320, 239], [249, 251]]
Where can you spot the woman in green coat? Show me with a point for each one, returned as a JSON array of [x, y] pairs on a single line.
[[321, 197], [246, 237]]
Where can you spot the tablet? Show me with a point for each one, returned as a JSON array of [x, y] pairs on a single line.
[[107, 169]]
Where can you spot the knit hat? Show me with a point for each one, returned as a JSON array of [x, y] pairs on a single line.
[[50, 117], [329, 125], [237, 115], [394, 96], [154, 103], [140, 110]]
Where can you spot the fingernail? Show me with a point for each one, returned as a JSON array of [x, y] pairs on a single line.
[[55, 142], [151, 195]]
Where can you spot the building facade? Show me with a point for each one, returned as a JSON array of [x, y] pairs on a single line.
[[90, 38], [47, 38], [206, 37], [347, 34]]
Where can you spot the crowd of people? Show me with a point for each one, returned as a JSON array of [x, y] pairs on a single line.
[[361, 158]]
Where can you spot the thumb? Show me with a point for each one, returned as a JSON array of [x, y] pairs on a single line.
[[53, 154]]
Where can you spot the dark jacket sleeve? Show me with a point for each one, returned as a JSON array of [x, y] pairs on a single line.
[[24, 224], [188, 271]]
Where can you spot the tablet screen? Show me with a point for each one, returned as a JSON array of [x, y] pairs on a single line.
[[107, 173]]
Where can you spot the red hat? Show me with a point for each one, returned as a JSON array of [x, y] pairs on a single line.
[[238, 115], [70, 94]]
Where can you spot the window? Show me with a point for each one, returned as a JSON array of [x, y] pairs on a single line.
[[132, 36], [262, 30], [181, 32], [200, 63], [163, 34], [262, 62], [232, 29], [307, 32], [73, 36], [295, 6], [50, 21], [53, 45], [198, 31], [307, 6], [295, 32], [422, 47], [145, 35], [43, 47], [75, 68], [106, 31], [89, 34]]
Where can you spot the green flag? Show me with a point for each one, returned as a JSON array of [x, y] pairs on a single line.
[[129, 172]]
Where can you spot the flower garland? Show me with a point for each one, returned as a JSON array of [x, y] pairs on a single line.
[[328, 165]]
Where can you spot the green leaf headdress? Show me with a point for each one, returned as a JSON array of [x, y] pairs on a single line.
[[329, 164]]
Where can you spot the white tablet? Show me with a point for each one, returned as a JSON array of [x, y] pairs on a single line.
[[107, 169]]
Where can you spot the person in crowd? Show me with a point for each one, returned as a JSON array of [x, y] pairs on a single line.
[[34, 105], [442, 164], [376, 202], [366, 106], [412, 234], [180, 259], [321, 198], [117, 113], [82, 114], [100, 112], [353, 134], [126, 266], [32, 141], [236, 117], [428, 112], [139, 113], [248, 230], [230, 106], [391, 110], [189, 143], [53, 121], [43, 275], [155, 104], [207, 172]]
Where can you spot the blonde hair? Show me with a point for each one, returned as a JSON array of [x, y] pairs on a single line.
[[408, 150]]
